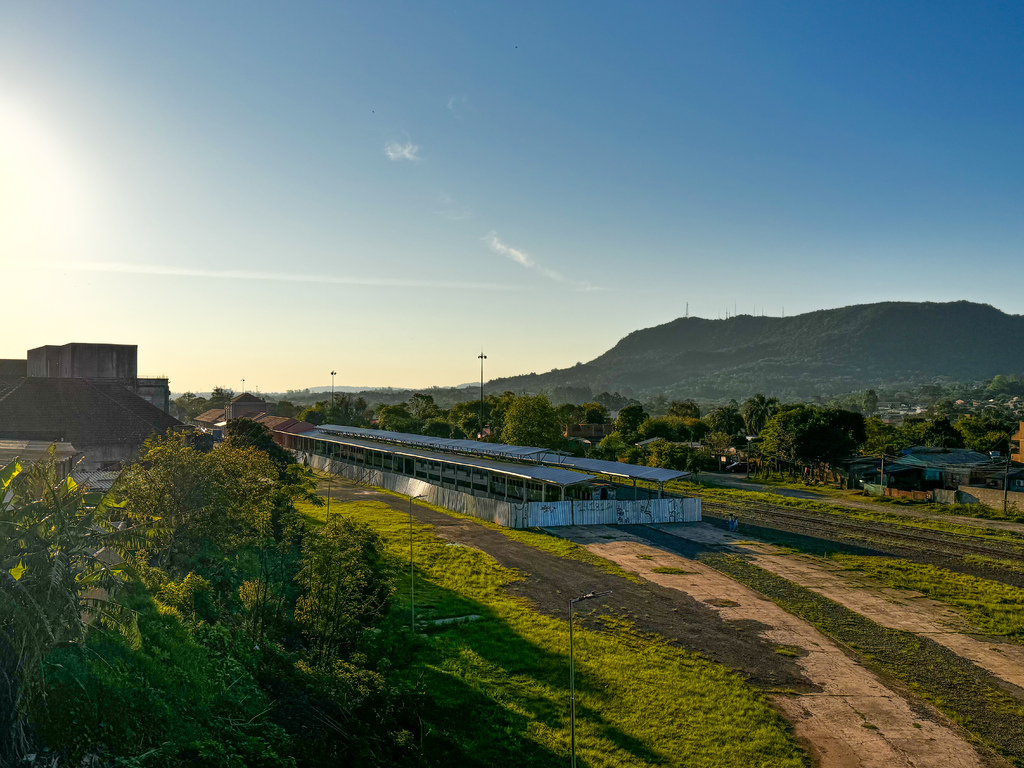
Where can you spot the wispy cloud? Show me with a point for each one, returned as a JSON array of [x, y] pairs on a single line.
[[451, 209], [457, 105], [407, 151], [283, 277], [525, 260]]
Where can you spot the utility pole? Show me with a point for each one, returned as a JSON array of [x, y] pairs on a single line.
[[333, 374], [482, 357], [412, 578], [572, 672]]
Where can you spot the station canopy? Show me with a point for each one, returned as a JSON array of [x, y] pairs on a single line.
[[512, 452], [535, 472], [617, 469], [438, 443]]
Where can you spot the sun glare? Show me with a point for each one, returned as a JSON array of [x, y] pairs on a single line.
[[44, 200]]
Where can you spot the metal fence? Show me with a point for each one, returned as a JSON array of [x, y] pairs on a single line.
[[537, 514]]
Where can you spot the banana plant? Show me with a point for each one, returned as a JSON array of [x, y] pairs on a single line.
[[64, 557]]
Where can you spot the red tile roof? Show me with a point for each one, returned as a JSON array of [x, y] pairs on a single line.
[[211, 417]]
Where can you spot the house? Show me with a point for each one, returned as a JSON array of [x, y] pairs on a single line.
[[104, 420], [924, 468], [245, 406], [285, 429]]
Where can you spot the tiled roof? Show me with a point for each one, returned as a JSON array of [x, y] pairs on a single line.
[[245, 397], [284, 424], [212, 416], [79, 411]]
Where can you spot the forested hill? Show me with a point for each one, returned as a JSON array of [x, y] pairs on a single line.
[[825, 352]]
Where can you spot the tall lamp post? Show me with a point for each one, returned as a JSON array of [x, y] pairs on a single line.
[[482, 357], [412, 580], [330, 461], [572, 671]]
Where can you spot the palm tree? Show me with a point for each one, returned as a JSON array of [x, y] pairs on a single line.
[[757, 410]]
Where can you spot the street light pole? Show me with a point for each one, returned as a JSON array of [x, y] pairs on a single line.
[[482, 357], [412, 580], [572, 671]]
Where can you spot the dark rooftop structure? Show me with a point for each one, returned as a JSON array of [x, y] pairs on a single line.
[[103, 419]]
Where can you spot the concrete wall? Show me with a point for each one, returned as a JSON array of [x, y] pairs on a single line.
[[990, 497], [98, 457], [44, 362], [85, 361], [522, 514], [156, 391]]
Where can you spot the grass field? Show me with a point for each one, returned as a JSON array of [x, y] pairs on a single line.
[[994, 608], [502, 680]]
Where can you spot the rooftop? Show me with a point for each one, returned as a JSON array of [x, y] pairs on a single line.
[[536, 472], [79, 411]]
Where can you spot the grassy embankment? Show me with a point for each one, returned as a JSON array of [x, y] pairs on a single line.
[[963, 691], [639, 701]]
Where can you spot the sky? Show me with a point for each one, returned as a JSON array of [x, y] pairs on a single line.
[[271, 191]]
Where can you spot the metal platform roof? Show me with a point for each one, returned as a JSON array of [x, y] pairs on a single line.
[[618, 469], [513, 452], [535, 472], [437, 443]]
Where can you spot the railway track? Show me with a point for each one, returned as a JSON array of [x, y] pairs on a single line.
[[825, 525]]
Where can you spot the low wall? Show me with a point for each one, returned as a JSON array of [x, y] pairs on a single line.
[[990, 497], [537, 514], [873, 489]]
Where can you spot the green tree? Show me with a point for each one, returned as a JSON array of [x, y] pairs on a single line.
[[62, 563], [396, 418], [727, 419], [220, 397], [422, 407], [531, 420], [664, 428], [629, 421], [870, 402], [756, 412], [189, 405], [346, 581], [286, 408], [246, 433], [684, 409], [594, 413]]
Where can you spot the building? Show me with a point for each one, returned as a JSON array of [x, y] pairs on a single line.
[[104, 420], [514, 486], [926, 469], [28, 452], [245, 406], [99, 362], [1017, 445]]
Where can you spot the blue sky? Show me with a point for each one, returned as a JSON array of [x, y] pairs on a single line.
[[262, 191]]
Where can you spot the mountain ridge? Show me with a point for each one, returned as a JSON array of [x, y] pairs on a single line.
[[823, 352]]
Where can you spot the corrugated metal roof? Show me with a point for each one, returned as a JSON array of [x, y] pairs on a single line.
[[537, 472], [938, 458], [516, 452], [437, 443], [619, 469]]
